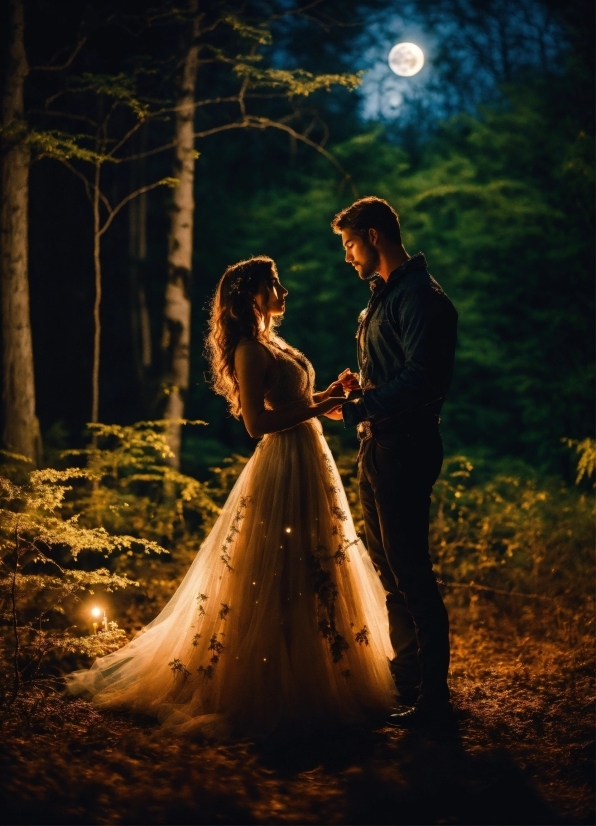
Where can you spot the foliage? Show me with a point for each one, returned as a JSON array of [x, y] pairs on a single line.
[[510, 535], [299, 82], [36, 584], [139, 491], [137, 486], [514, 535], [586, 466], [50, 530]]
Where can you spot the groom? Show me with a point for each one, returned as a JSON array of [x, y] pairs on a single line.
[[406, 343]]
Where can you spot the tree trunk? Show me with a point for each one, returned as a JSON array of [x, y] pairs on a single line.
[[140, 318], [97, 300], [176, 335], [21, 427]]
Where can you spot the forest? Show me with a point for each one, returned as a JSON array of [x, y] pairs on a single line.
[[146, 147]]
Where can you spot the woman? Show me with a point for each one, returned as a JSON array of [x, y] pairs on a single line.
[[280, 622]]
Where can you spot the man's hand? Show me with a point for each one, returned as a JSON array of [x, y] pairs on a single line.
[[349, 381]]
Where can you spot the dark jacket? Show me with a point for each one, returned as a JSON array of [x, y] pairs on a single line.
[[406, 347]]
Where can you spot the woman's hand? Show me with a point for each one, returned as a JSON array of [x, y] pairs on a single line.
[[335, 390], [326, 406]]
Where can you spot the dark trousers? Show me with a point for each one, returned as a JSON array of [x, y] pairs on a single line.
[[396, 473]]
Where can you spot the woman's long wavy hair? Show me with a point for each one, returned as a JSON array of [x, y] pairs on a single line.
[[234, 316]]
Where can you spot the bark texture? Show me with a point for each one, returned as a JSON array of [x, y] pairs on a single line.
[[176, 336], [21, 432]]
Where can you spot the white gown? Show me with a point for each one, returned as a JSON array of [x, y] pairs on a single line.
[[280, 622]]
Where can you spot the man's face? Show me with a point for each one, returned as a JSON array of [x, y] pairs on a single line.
[[360, 253]]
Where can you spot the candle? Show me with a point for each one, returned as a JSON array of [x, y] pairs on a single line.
[[105, 621], [95, 612]]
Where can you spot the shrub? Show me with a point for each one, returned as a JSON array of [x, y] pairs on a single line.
[[53, 526]]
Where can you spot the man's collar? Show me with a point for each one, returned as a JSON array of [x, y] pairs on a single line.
[[415, 262]]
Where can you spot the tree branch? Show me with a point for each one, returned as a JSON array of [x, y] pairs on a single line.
[[88, 186], [80, 175], [67, 115], [65, 65], [128, 198], [253, 122], [128, 135], [146, 154]]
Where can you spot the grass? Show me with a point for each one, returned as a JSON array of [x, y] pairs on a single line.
[[523, 692]]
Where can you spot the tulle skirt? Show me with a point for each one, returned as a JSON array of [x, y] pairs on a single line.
[[280, 622]]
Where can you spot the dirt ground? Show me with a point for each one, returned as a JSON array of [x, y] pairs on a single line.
[[523, 753]]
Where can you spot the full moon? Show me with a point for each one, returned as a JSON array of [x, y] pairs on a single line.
[[406, 59]]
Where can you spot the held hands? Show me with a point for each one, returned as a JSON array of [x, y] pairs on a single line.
[[332, 399], [336, 392], [349, 381]]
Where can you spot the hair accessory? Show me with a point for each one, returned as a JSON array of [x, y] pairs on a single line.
[[236, 284]]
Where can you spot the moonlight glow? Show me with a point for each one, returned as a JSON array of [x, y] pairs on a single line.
[[406, 59]]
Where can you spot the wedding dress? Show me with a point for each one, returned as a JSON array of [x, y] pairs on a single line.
[[280, 622]]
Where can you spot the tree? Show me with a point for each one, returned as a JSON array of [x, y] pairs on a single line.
[[21, 433], [217, 41], [106, 147], [176, 334]]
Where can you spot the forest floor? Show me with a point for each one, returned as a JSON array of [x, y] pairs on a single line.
[[522, 754]]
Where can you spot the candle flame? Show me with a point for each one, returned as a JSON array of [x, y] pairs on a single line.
[[96, 612]]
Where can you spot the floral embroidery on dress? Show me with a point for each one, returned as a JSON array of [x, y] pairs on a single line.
[[234, 529]]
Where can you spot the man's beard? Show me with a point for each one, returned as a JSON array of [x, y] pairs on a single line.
[[371, 265]]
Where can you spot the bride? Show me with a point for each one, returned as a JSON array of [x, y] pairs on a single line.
[[280, 623]]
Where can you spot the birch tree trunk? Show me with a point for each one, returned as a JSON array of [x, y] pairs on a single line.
[[21, 427], [176, 334]]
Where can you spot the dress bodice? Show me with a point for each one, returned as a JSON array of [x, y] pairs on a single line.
[[291, 379]]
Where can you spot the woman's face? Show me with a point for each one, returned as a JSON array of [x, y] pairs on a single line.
[[271, 297]]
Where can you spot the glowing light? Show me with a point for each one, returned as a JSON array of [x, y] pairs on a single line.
[[96, 612], [288, 530], [406, 59]]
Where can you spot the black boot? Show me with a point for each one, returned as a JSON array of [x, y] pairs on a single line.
[[435, 716]]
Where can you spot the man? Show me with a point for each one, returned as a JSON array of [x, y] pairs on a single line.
[[406, 344]]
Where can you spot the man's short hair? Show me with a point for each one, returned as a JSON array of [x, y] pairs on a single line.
[[369, 213]]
